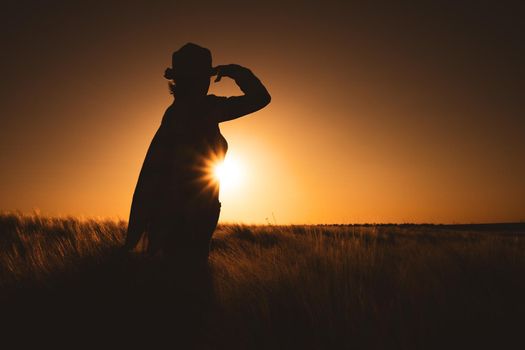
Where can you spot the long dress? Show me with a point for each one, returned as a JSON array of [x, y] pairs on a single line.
[[175, 192], [175, 205]]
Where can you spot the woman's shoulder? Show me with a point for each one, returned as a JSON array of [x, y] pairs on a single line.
[[216, 106]]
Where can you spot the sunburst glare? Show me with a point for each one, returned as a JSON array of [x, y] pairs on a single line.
[[229, 173]]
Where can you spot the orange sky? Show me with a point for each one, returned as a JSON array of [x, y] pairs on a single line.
[[405, 113]]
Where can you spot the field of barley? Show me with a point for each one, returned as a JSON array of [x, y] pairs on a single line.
[[267, 287]]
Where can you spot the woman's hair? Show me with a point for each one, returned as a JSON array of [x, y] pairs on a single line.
[[169, 74], [171, 87]]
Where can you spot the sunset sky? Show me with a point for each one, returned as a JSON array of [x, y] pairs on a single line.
[[392, 112]]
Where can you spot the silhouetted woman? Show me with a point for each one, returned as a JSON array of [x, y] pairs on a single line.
[[175, 206]]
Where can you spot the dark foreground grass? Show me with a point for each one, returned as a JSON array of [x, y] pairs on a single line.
[[64, 281]]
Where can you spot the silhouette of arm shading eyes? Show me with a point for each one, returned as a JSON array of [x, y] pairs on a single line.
[[255, 94]]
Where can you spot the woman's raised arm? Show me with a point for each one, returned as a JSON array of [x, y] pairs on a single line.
[[255, 94]]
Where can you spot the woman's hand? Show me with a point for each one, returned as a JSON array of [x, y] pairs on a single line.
[[228, 70], [255, 94]]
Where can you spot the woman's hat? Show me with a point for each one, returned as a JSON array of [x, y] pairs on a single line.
[[191, 59]]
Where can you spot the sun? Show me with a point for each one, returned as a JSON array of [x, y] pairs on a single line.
[[229, 173]]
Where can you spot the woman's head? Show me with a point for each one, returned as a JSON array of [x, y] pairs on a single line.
[[190, 71]]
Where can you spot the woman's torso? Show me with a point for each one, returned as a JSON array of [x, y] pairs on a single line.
[[183, 152]]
